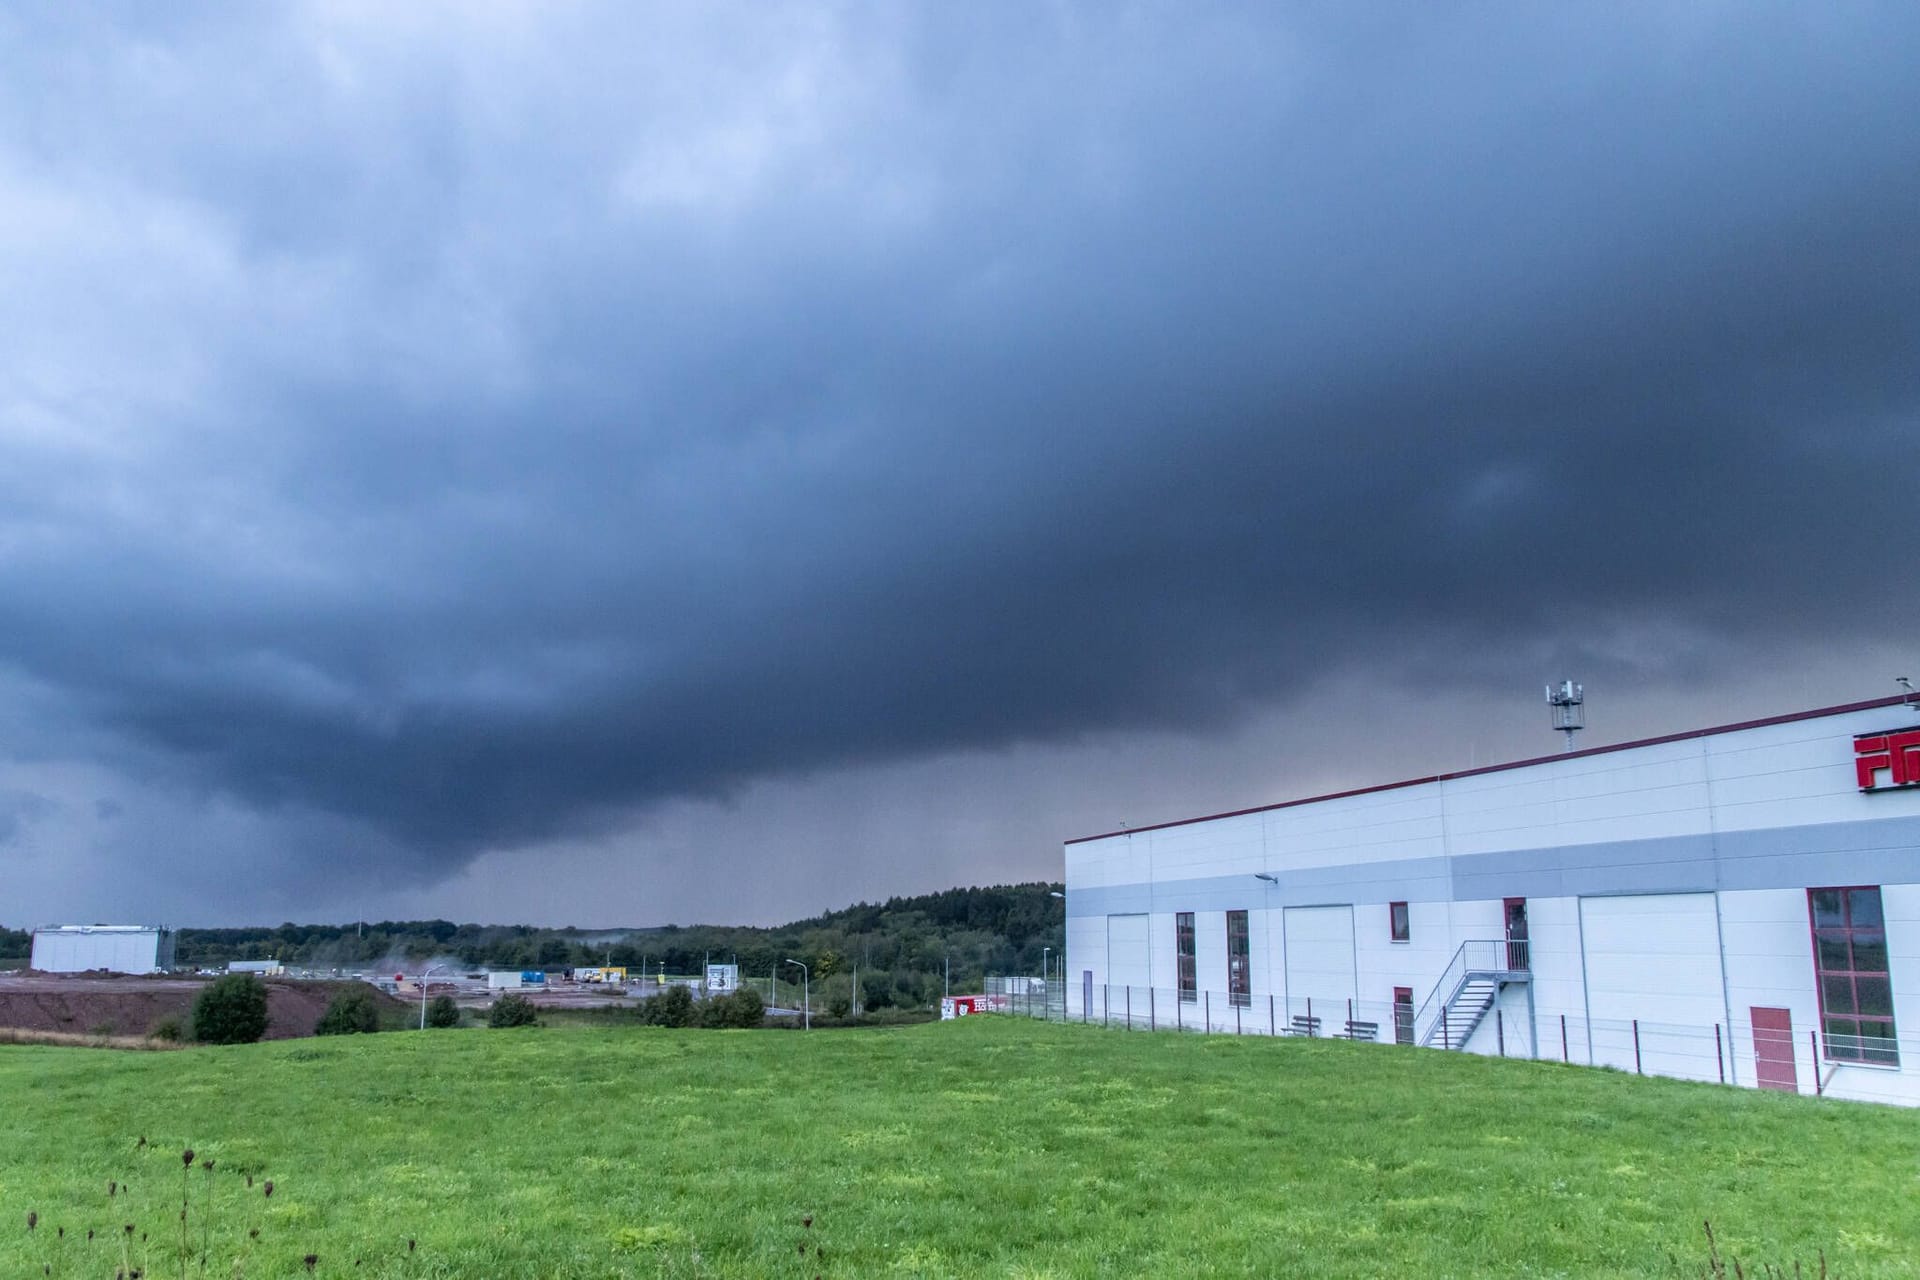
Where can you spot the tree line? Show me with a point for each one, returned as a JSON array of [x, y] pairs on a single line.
[[901, 947]]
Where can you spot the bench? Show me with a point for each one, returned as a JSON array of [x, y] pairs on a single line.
[[1361, 1030], [1304, 1026]]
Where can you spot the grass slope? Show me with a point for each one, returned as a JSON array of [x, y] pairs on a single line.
[[978, 1148]]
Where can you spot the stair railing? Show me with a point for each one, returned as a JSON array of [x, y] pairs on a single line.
[[1476, 955]]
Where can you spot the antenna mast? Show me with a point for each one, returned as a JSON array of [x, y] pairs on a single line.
[[1568, 706]]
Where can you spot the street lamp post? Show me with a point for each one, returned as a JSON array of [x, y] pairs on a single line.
[[423, 993], [806, 1002]]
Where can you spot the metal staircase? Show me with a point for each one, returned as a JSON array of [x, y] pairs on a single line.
[[1468, 990]]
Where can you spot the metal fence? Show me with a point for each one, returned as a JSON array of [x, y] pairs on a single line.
[[1802, 1060]]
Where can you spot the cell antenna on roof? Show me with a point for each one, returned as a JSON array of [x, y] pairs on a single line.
[[1568, 705]]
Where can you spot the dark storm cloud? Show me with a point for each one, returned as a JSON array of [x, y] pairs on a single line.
[[477, 428]]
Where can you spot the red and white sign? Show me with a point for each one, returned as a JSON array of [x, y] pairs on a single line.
[[1895, 755], [957, 1006]]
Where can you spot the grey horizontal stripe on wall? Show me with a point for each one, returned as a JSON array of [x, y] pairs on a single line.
[[1881, 851]]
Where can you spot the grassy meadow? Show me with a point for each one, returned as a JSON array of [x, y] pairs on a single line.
[[985, 1147]]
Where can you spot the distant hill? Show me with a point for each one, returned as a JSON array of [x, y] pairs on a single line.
[[901, 946]]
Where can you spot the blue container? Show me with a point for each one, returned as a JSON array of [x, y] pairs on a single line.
[[533, 978]]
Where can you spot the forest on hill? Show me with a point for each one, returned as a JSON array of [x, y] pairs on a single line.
[[901, 947]]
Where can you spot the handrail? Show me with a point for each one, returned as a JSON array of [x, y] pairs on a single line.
[[1443, 989], [1475, 955]]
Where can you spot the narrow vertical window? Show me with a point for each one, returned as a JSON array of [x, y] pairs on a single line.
[[1183, 951], [1239, 960], [1403, 1015], [1850, 971], [1399, 922]]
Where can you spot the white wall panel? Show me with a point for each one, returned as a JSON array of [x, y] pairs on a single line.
[[1655, 958], [1129, 950], [1320, 959]]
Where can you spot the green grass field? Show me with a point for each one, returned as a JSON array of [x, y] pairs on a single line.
[[986, 1147]]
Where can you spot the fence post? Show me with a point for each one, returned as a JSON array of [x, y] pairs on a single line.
[[1106, 1002], [1813, 1046], [1636, 1048], [1207, 997], [1273, 1027], [1500, 1032], [1179, 1014], [1129, 1006], [1446, 1032], [1151, 1024], [1309, 1017], [1563, 1039], [1236, 1017]]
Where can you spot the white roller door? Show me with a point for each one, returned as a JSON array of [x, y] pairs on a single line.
[[1654, 958], [1128, 957], [1319, 943]]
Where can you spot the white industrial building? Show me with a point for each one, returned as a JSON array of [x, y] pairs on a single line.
[[1739, 903], [114, 948]]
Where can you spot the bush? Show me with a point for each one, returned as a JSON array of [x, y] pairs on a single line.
[[231, 1010], [443, 1012], [671, 1008], [839, 1006], [352, 1012], [513, 1011], [740, 1008], [168, 1028]]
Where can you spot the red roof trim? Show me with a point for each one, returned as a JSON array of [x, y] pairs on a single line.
[[1897, 699]]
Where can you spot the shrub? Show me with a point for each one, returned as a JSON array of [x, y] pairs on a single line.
[[443, 1012], [168, 1028], [352, 1012], [839, 1006], [740, 1008], [513, 1011], [230, 1010], [671, 1008]]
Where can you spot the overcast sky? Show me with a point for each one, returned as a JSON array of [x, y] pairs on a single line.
[[601, 464]]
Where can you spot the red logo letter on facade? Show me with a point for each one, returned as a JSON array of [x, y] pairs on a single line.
[[1870, 757], [1895, 754], [1905, 750]]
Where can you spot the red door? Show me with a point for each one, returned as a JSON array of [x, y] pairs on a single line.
[[1516, 917], [1403, 1015], [1773, 1049]]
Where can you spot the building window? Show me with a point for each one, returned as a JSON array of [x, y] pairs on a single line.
[[1239, 960], [1398, 921], [1183, 952], [1403, 1015], [1850, 971]]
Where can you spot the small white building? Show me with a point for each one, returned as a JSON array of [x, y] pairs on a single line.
[[263, 968], [1739, 903], [515, 979], [114, 948]]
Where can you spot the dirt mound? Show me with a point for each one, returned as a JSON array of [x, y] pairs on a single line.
[[99, 1006]]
